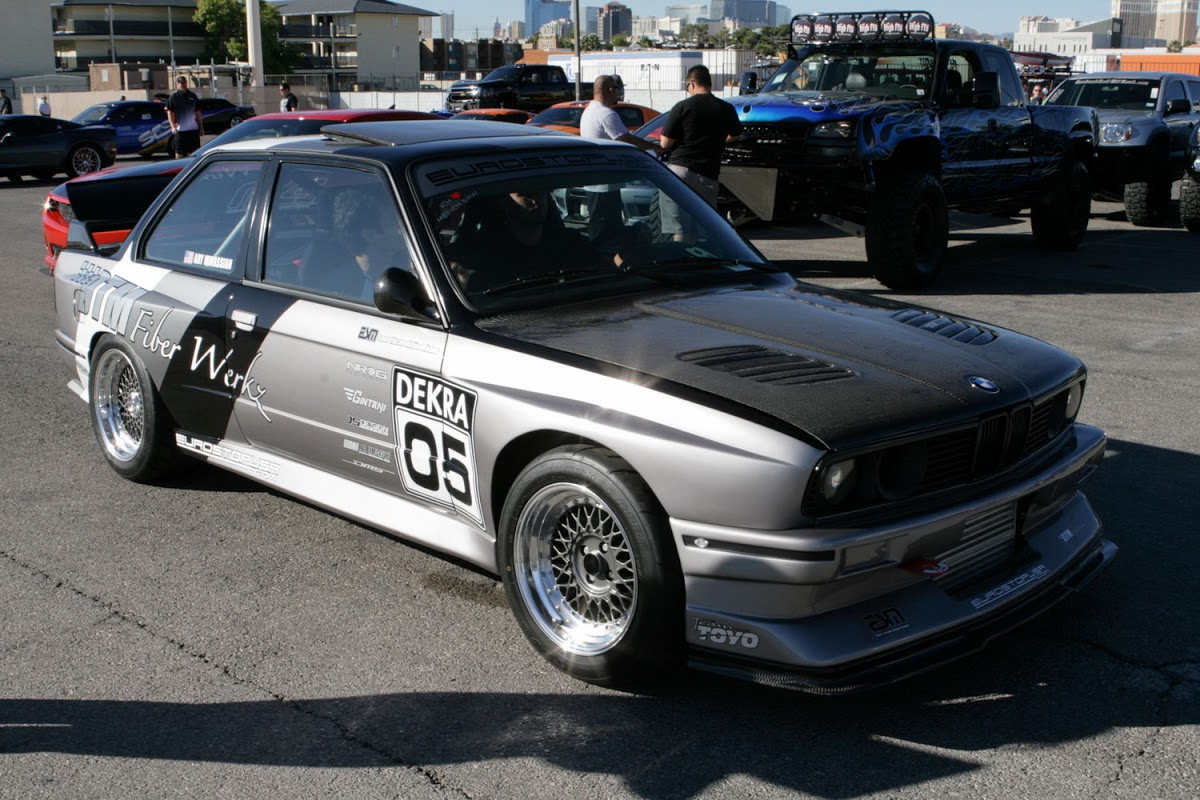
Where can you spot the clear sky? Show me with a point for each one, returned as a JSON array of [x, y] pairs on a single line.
[[989, 16]]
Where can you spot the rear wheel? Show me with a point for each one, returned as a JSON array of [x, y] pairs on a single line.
[[1189, 203], [907, 230], [83, 159], [590, 569], [1148, 202], [1060, 216], [129, 420], [236, 119]]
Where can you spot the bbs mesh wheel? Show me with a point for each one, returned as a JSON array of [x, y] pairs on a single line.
[[83, 159], [589, 568], [128, 418]]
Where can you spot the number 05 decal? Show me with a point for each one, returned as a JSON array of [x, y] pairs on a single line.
[[434, 448]]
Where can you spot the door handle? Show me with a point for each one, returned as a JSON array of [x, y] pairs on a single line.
[[243, 320]]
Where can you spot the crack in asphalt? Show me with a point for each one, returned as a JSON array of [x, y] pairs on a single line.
[[433, 777]]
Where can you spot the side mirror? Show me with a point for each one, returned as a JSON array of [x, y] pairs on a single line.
[[749, 83], [985, 90], [1178, 106], [397, 291]]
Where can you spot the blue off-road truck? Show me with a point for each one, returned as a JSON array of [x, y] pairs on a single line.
[[877, 127]]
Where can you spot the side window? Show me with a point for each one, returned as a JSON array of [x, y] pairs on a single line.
[[632, 117], [1194, 91], [205, 225], [1174, 91], [533, 78], [557, 78], [1010, 87], [333, 231], [960, 71]]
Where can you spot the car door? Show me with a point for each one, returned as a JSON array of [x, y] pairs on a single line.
[[33, 143], [984, 150], [1180, 123], [532, 89], [338, 385]]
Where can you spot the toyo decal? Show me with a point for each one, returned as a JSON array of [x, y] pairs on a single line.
[[720, 633]]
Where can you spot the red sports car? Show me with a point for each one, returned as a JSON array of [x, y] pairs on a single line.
[[113, 199]]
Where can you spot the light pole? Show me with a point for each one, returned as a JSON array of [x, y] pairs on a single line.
[[112, 43], [649, 70]]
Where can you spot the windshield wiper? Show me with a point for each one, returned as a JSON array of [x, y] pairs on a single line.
[[695, 261], [547, 278]]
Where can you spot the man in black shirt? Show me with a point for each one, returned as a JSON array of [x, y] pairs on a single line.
[[695, 134], [183, 112]]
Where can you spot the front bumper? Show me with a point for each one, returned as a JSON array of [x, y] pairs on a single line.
[[1117, 166], [792, 608]]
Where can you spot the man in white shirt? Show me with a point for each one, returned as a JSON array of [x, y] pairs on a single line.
[[600, 121]]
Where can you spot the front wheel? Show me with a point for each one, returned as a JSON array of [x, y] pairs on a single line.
[[1189, 203], [235, 120], [83, 159], [589, 568], [129, 420], [1060, 216], [908, 226], [1147, 202]]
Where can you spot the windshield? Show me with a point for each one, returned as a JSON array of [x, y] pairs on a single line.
[[542, 228], [900, 71], [503, 74], [91, 116], [558, 116], [1130, 94], [266, 129]]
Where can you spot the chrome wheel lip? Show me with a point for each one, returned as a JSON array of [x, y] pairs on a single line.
[[119, 406], [575, 569]]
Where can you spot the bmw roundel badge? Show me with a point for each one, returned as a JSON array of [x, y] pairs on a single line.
[[983, 384]]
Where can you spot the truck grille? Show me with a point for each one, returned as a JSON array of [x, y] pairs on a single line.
[[762, 141]]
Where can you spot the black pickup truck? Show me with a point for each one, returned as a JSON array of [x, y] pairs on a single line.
[[529, 87], [878, 128]]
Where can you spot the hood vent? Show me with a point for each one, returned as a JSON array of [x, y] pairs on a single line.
[[766, 365], [951, 328]]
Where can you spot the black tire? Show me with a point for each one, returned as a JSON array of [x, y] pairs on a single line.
[[44, 174], [132, 427], [590, 570], [1189, 203], [236, 119], [1147, 202], [1060, 216], [14, 177], [82, 159], [908, 226]]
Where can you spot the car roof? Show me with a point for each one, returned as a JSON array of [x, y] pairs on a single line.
[[396, 142], [348, 114]]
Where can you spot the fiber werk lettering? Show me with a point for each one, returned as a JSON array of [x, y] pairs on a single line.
[[431, 397]]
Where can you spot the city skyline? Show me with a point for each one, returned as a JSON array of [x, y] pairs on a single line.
[[482, 14]]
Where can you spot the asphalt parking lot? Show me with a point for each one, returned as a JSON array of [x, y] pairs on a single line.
[[214, 639]]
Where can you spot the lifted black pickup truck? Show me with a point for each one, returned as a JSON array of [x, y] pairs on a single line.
[[529, 87], [877, 128]]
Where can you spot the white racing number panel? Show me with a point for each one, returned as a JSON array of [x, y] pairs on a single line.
[[435, 448]]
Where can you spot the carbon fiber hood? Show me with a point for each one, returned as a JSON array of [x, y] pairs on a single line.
[[845, 369]]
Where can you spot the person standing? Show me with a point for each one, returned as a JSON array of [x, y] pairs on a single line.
[[183, 112], [43, 106], [287, 100], [5, 102], [695, 134], [601, 121]]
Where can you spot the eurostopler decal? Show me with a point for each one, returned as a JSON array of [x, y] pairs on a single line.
[[435, 447]]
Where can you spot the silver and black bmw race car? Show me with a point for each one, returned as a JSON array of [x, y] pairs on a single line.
[[548, 357]]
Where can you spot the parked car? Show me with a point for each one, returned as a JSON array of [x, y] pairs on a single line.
[[530, 87], [665, 447], [1146, 122], [45, 146], [514, 115], [652, 130], [219, 115], [565, 117], [112, 207], [141, 125], [1189, 187]]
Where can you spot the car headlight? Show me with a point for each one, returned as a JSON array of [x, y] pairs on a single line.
[[842, 129], [1115, 132], [1074, 400], [838, 481]]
